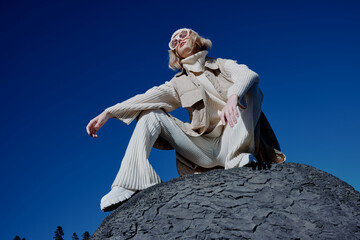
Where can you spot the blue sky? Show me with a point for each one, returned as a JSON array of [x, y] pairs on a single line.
[[64, 62]]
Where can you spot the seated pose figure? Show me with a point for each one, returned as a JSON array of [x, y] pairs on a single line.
[[227, 128]]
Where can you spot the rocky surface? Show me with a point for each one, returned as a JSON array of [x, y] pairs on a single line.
[[287, 201]]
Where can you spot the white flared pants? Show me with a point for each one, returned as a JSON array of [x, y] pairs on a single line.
[[136, 173]]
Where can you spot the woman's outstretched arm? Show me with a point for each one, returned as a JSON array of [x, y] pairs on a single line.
[[161, 97]]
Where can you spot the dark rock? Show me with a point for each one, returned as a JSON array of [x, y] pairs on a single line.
[[289, 200]]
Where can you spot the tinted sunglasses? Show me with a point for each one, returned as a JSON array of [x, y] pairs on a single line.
[[180, 34]]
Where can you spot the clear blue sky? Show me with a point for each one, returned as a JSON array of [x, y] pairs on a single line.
[[64, 62]]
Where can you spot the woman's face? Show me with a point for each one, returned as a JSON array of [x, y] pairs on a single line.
[[186, 47]]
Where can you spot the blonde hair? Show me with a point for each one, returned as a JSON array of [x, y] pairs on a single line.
[[200, 45]]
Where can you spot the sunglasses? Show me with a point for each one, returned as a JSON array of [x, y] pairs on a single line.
[[180, 34]]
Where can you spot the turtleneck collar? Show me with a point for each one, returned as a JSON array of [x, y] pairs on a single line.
[[196, 62]]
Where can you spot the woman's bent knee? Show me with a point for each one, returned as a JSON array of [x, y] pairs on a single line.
[[150, 118], [151, 112]]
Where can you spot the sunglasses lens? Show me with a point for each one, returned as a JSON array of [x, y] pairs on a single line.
[[183, 34], [174, 43]]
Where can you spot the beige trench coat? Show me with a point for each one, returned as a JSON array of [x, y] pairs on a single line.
[[186, 91]]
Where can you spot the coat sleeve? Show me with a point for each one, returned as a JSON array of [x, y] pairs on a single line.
[[242, 77], [160, 97]]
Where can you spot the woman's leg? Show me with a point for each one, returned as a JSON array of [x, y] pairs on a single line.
[[239, 141], [135, 172]]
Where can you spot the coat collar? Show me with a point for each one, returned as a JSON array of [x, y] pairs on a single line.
[[210, 63], [195, 62]]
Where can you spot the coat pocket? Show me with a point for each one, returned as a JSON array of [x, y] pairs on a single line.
[[189, 98]]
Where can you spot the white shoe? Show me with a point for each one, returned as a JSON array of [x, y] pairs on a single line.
[[114, 198], [248, 160], [241, 160]]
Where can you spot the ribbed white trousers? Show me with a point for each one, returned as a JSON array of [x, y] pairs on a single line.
[[136, 173]]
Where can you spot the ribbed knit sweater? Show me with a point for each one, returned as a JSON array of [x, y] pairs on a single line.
[[166, 97]]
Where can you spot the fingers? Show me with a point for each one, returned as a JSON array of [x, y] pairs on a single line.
[[229, 114], [222, 116], [96, 123], [92, 128], [236, 112], [229, 118], [89, 127], [234, 115], [93, 132]]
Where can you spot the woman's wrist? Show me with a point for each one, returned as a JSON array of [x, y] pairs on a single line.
[[107, 114], [233, 97]]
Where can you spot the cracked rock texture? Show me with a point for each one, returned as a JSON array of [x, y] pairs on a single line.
[[287, 201]]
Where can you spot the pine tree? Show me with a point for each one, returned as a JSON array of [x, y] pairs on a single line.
[[75, 236], [59, 233], [86, 236], [18, 238]]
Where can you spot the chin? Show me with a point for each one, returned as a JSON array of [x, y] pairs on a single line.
[[186, 52]]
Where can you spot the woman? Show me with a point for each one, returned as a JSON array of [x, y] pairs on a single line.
[[224, 103]]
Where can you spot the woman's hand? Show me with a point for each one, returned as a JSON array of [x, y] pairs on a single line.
[[96, 123], [230, 113]]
